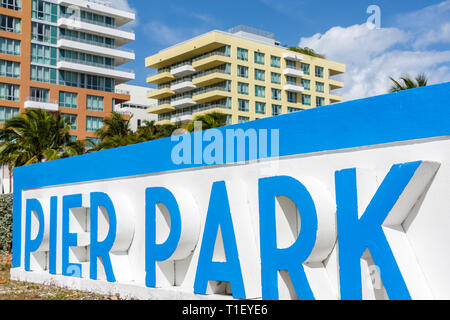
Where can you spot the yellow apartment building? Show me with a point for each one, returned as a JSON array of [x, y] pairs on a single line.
[[243, 73]]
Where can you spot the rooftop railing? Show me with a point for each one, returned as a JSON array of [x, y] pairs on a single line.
[[255, 31], [102, 2]]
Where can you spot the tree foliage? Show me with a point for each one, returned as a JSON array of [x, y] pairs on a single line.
[[36, 136], [406, 82]]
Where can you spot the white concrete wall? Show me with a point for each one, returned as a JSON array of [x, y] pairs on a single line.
[[420, 241]]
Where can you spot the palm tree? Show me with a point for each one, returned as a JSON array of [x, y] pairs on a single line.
[[36, 136], [115, 125], [420, 81], [208, 121], [116, 141]]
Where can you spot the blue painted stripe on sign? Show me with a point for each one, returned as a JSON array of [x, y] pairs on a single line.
[[412, 114]]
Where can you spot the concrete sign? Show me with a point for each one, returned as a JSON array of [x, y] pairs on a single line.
[[348, 201]]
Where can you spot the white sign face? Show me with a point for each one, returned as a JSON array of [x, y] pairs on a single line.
[[360, 213]]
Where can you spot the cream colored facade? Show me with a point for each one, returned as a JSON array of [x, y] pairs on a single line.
[[243, 73]]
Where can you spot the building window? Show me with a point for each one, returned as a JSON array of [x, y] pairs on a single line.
[[306, 84], [319, 72], [94, 123], [10, 46], [243, 105], [11, 4], [89, 59], [86, 38], [320, 87], [275, 78], [291, 64], [94, 103], [260, 75], [39, 94], [260, 91], [260, 107], [276, 109], [291, 80], [44, 33], [7, 113], [70, 119], [43, 74], [92, 18], [93, 143], [9, 24], [74, 79], [291, 97], [9, 69], [43, 54], [242, 54], [320, 101], [242, 119], [68, 99], [259, 58], [242, 88], [305, 68], [9, 92], [229, 120], [290, 109], [44, 10], [306, 99], [276, 94], [242, 71], [275, 61]]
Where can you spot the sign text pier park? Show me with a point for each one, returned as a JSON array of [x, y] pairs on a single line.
[[349, 201]]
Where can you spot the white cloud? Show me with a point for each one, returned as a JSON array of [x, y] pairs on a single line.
[[373, 55], [122, 5], [169, 35], [125, 5]]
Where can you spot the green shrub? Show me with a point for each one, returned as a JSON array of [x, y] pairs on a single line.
[[5, 223]]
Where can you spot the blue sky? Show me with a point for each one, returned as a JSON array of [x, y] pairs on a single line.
[[414, 35]]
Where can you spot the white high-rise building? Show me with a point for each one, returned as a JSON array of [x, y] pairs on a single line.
[[137, 105]]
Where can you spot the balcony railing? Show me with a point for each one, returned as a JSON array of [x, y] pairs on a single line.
[[163, 86], [181, 80], [181, 96], [41, 99], [95, 43], [79, 18], [212, 53], [162, 70], [203, 107], [180, 64], [121, 91], [212, 88], [205, 73], [94, 64], [163, 101]]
